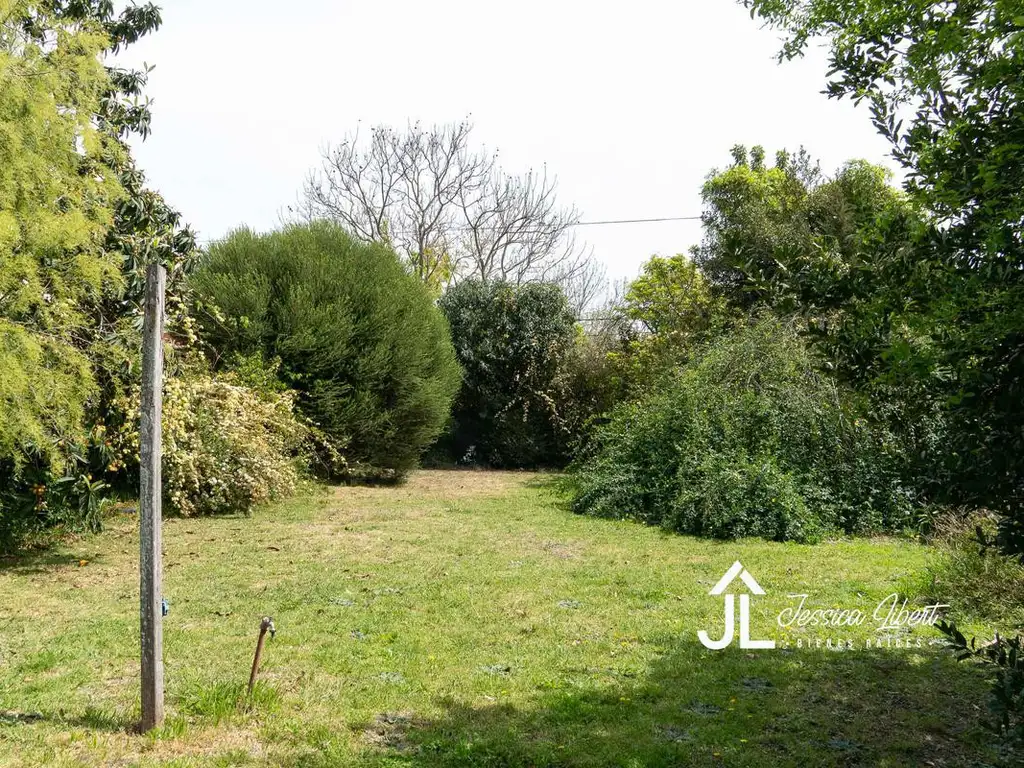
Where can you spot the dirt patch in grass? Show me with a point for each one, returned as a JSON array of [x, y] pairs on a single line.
[[563, 550], [555, 548], [389, 730], [443, 484], [206, 743]]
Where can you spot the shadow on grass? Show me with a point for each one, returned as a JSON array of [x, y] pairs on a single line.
[[33, 562], [797, 707], [92, 719], [556, 484]]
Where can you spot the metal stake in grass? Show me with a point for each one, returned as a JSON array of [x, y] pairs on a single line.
[[266, 625]]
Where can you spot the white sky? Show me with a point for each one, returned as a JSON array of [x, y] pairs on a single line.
[[630, 105]]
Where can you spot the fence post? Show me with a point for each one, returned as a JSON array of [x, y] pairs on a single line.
[[150, 493]]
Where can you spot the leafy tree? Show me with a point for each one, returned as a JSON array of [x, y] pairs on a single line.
[[513, 343], [839, 253], [943, 83], [58, 191], [752, 219], [357, 337], [80, 295], [792, 239], [672, 309]]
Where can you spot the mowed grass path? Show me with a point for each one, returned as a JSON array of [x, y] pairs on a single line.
[[465, 618]]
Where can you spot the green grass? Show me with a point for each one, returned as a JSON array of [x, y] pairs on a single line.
[[465, 619]]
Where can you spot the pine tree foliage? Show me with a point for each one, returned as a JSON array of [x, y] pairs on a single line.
[[57, 199], [358, 337]]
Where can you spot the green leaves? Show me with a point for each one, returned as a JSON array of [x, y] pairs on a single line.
[[56, 201], [747, 439], [1006, 702], [357, 337], [512, 343], [944, 86]]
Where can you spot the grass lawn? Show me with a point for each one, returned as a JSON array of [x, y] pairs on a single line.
[[466, 618]]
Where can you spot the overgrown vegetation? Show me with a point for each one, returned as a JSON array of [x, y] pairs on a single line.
[[77, 226], [953, 71], [358, 338], [750, 439], [943, 84], [226, 448], [974, 578], [836, 356]]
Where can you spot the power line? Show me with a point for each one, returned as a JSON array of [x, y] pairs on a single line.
[[603, 222], [634, 221]]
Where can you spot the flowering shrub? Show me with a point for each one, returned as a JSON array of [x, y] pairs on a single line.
[[226, 448]]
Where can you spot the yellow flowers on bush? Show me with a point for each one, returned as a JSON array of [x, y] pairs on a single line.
[[227, 449]]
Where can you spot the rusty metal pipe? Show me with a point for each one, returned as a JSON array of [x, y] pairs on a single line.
[[266, 625]]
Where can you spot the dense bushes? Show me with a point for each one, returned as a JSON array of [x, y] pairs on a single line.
[[226, 447], [672, 309], [77, 228], [513, 343], [748, 440], [978, 582], [357, 337]]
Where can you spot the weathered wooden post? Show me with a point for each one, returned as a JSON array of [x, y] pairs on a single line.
[[150, 492]]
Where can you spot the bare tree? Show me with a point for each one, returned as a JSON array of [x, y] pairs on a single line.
[[450, 211], [584, 282], [515, 230], [604, 316]]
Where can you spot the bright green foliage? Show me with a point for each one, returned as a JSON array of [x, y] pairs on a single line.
[[673, 309], [752, 216], [56, 202], [513, 343], [787, 237], [77, 228], [838, 253], [358, 338], [748, 440], [57, 195], [672, 298], [944, 84]]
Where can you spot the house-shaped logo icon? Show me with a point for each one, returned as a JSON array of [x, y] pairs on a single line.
[[735, 571]]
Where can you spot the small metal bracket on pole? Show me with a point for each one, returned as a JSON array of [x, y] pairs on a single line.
[[150, 495]]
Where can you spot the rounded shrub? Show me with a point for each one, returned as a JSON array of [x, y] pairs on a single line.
[[358, 338], [749, 439]]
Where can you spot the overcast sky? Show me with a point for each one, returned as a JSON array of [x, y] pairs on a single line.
[[628, 104]]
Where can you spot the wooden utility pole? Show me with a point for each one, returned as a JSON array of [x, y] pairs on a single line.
[[150, 493]]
